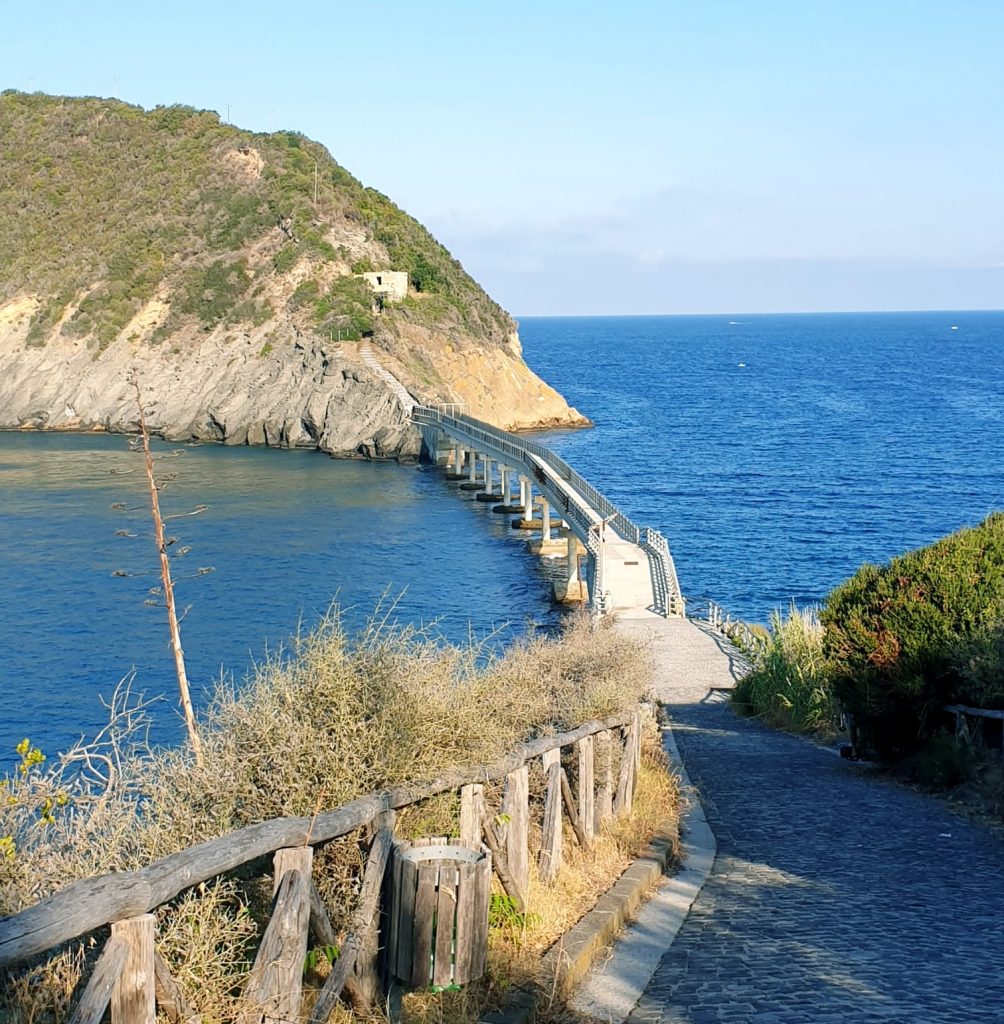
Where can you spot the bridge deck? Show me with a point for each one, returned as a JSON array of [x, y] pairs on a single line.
[[637, 567]]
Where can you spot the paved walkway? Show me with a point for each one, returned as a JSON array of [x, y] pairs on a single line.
[[835, 896]]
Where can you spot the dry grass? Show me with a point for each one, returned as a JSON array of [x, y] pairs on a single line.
[[518, 942], [337, 718]]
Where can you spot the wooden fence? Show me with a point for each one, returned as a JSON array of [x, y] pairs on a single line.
[[134, 979]]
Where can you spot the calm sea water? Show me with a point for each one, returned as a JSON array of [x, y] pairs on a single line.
[[776, 453], [286, 532]]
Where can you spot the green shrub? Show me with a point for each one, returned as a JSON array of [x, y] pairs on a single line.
[[286, 258], [307, 293], [901, 637], [212, 294], [943, 763], [978, 668], [347, 302]]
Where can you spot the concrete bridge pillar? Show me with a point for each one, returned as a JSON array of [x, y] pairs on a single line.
[[571, 590], [506, 486], [526, 498], [472, 483], [488, 492], [547, 544]]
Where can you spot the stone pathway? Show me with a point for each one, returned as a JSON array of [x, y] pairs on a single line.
[[835, 896]]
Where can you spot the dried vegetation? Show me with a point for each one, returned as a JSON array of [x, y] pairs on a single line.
[[335, 718]]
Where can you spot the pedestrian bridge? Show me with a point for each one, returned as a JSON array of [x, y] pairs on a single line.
[[611, 563]]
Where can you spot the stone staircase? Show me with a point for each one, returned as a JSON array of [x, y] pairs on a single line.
[[403, 395]]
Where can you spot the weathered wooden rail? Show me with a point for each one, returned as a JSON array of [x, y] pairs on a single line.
[[134, 979]]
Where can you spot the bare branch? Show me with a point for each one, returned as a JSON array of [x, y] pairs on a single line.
[[165, 570], [182, 515]]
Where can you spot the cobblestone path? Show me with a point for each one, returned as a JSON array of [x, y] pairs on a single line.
[[835, 896]]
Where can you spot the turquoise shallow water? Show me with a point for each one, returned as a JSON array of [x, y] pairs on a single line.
[[776, 453]]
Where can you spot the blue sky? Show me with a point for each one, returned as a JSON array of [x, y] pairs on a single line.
[[699, 156]]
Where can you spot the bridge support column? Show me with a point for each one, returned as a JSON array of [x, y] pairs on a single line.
[[456, 471], [547, 544], [507, 507], [526, 498], [488, 493], [473, 484], [571, 590]]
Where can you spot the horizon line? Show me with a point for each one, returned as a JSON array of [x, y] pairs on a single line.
[[774, 312]]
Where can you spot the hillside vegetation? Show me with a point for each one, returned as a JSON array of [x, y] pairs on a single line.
[[105, 206]]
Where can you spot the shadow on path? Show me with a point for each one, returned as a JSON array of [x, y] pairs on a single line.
[[834, 896]]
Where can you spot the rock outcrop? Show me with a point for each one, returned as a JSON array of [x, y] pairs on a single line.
[[231, 273]]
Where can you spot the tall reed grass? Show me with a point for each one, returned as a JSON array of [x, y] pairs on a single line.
[[789, 685]]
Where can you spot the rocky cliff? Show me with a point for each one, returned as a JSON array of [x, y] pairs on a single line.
[[225, 271]]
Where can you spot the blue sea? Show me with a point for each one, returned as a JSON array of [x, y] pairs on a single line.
[[776, 453]]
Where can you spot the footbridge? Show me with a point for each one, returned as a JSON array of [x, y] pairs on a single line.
[[611, 563]]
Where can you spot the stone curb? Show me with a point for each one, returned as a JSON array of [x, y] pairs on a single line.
[[569, 959], [638, 952], [611, 991]]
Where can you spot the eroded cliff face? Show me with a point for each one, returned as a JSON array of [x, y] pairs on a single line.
[[273, 385], [236, 276]]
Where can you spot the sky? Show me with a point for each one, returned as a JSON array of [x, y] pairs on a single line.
[[609, 158]]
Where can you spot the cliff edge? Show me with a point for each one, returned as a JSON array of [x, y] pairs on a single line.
[[238, 276]]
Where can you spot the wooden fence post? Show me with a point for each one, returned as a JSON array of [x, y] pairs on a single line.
[[550, 839], [516, 807], [472, 803], [94, 1001], [275, 986], [171, 1000], [361, 938], [134, 998], [625, 778], [587, 802], [605, 790]]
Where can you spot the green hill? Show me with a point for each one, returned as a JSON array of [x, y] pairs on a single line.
[[104, 198]]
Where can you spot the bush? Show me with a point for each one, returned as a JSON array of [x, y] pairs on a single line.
[[789, 684], [211, 294], [335, 719], [907, 638], [943, 763]]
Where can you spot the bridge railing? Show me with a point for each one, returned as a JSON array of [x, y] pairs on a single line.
[[666, 588], [722, 621], [517, 448]]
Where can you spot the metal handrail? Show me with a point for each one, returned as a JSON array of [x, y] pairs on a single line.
[[606, 509], [666, 588], [738, 631]]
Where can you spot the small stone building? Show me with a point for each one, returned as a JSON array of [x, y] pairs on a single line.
[[392, 285]]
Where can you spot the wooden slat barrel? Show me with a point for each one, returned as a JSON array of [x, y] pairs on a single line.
[[440, 890]]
